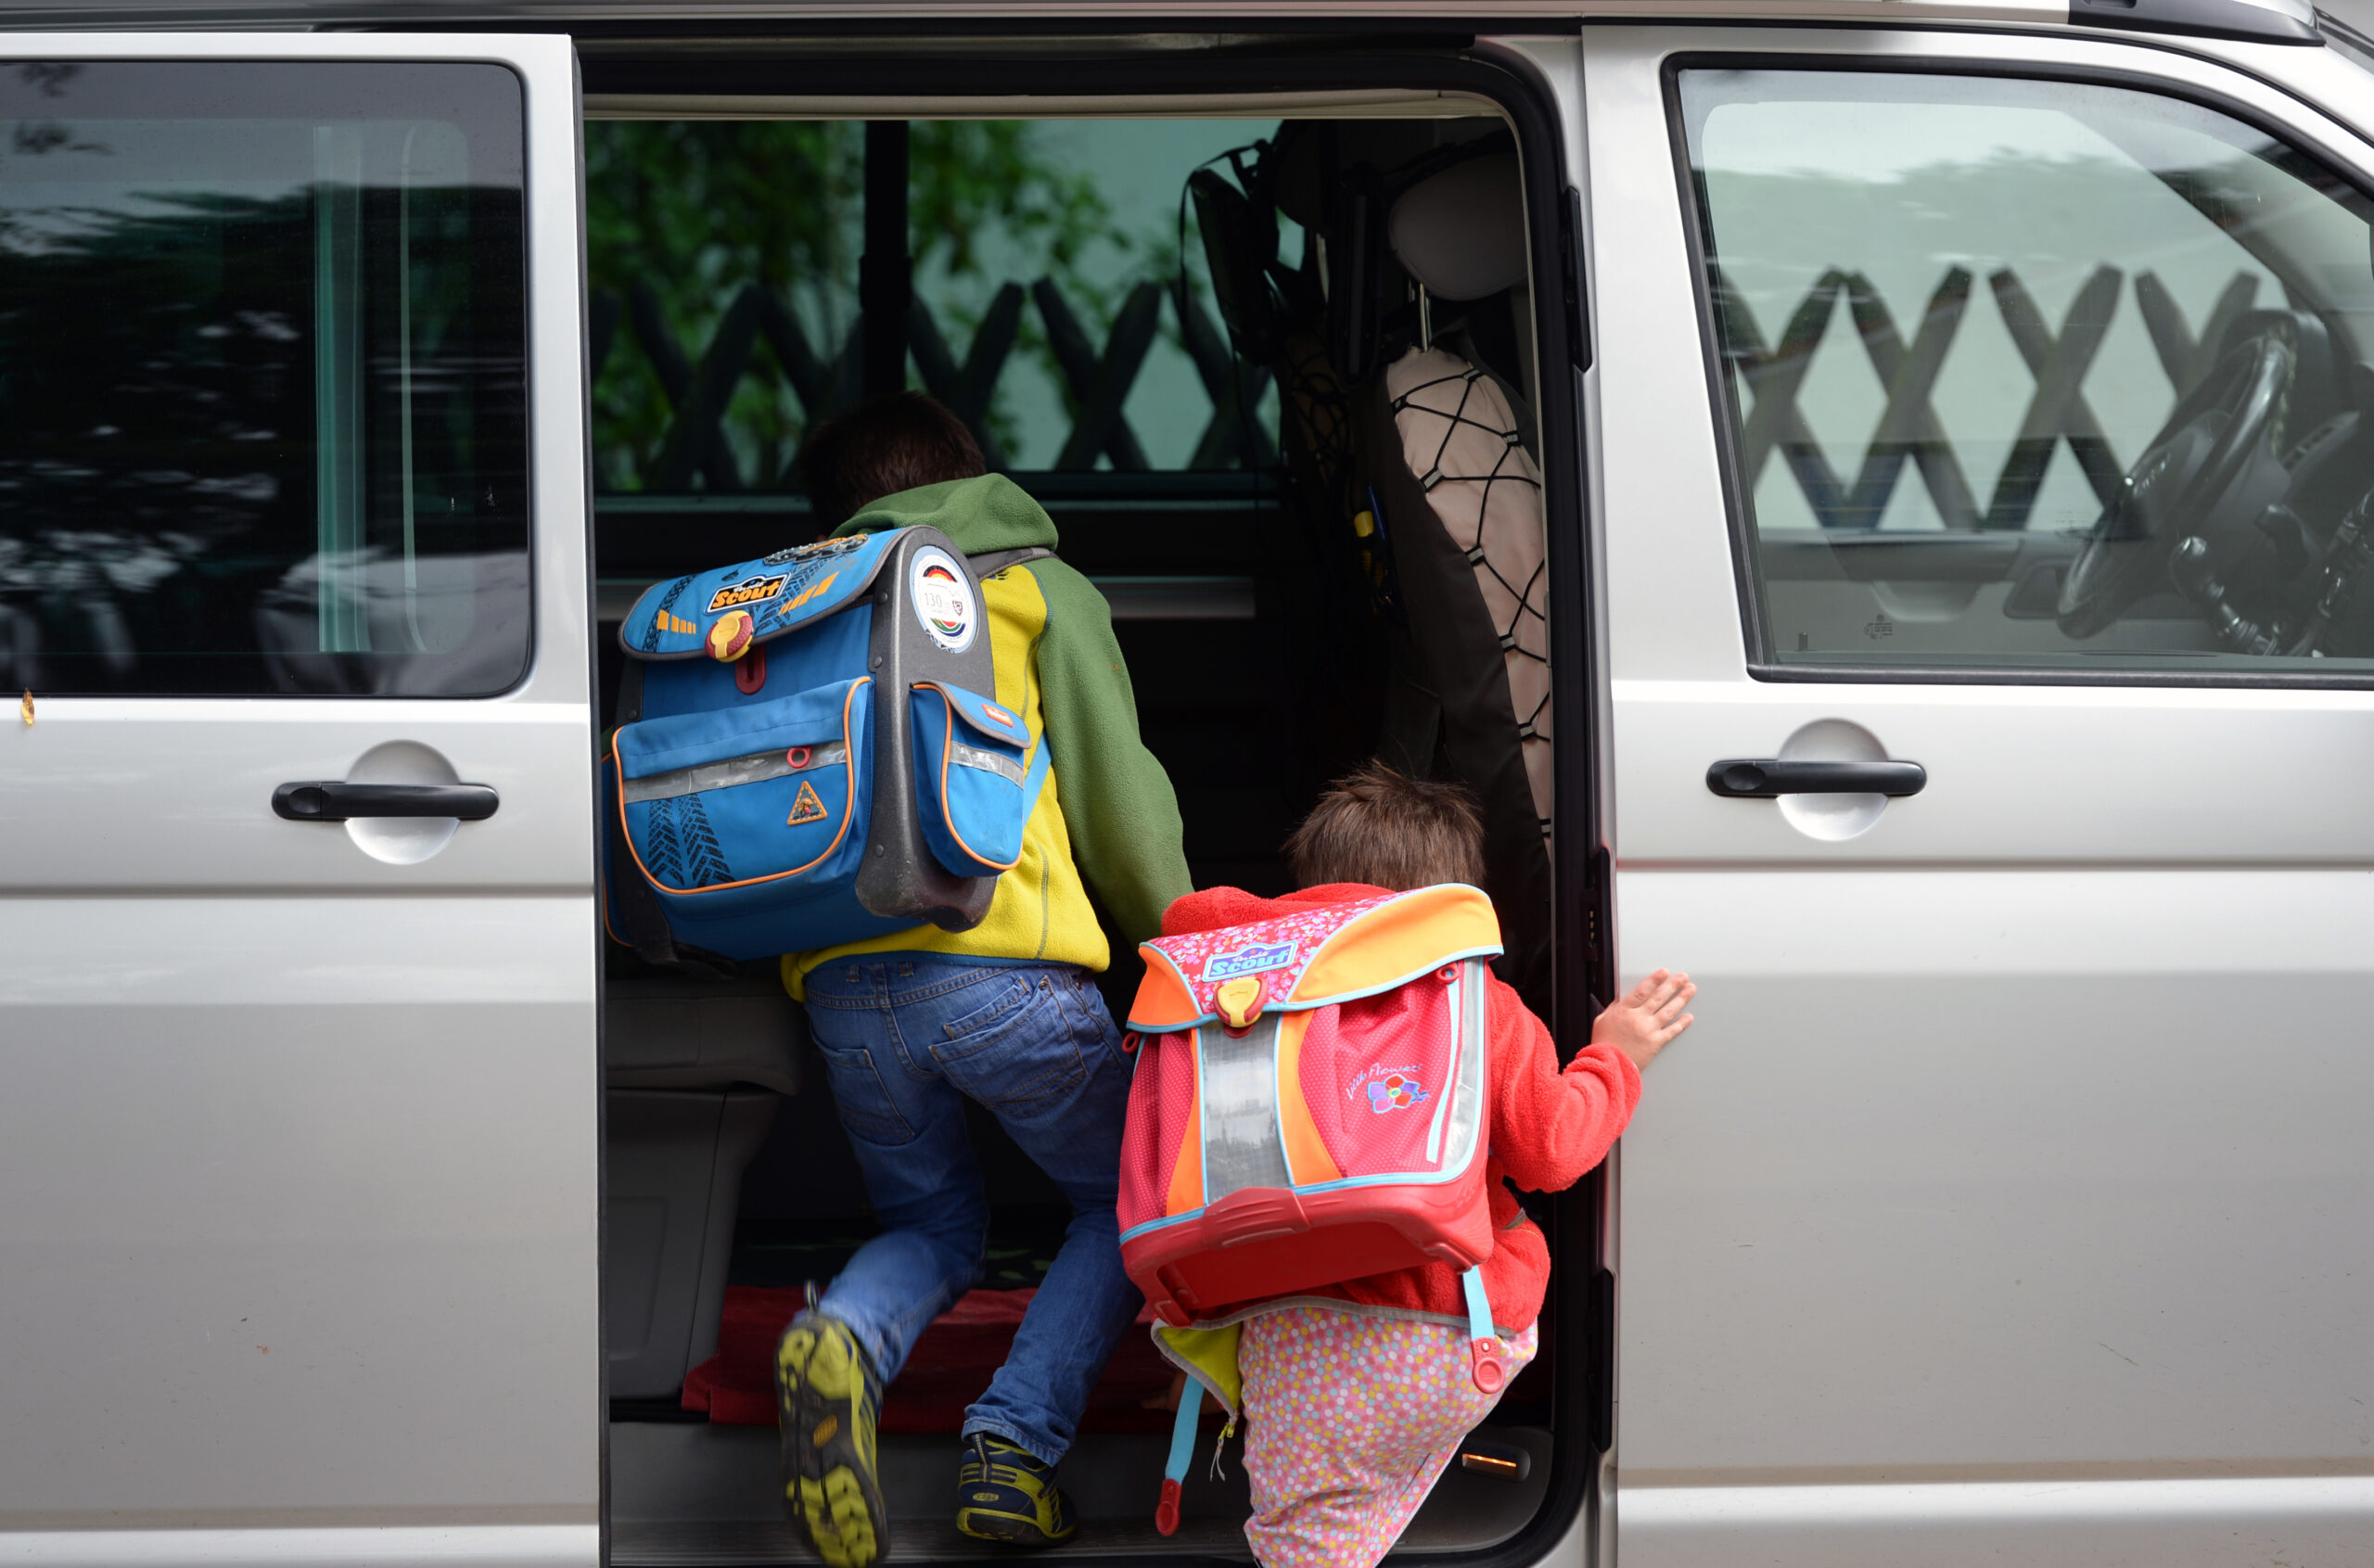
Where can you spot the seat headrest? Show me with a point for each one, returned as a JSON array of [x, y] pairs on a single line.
[[1462, 233]]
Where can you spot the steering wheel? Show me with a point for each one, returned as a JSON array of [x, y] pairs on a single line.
[[2177, 488]]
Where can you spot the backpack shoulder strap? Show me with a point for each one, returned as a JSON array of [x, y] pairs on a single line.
[[989, 563]]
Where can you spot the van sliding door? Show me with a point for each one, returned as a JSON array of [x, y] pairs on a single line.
[[298, 1097]]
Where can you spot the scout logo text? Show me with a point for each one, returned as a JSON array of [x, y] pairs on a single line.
[[1251, 959], [749, 591]]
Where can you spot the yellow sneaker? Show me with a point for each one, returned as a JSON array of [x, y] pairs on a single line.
[[1005, 1494], [827, 1400]]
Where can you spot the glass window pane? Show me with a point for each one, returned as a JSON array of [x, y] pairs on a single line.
[[2036, 376], [263, 395], [724, 258]]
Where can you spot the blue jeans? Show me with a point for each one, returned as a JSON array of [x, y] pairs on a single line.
[[906, 1037]]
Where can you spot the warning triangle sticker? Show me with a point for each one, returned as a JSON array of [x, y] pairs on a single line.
[[806, 807]]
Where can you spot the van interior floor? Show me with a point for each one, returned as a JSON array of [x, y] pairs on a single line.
[[687, 1493]]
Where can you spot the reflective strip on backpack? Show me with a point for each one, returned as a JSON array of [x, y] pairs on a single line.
[[1239, 1077], [753, 769], [965, 756], [1459, 1116]]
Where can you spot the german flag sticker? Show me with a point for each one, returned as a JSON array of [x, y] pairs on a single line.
[[806, 807]]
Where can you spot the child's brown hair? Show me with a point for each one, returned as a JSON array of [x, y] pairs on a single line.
[[1389, 830], [880, 448]]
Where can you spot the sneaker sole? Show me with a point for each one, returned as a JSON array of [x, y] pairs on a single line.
[[829, 1489], [1009, 1529]]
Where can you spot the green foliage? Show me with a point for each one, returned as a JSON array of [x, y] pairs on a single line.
[[696, 210]]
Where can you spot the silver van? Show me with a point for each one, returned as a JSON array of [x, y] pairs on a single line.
[[1942, 437]]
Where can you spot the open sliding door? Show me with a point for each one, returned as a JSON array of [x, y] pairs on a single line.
[[298, 1097]]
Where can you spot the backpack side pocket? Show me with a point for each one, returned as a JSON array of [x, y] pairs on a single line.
[[976, 782]]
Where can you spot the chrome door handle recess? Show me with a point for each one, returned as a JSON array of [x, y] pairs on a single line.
[[329, 800], [1765, 778]]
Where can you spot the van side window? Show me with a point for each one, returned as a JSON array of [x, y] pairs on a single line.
[[262, 390], [2036, 380]]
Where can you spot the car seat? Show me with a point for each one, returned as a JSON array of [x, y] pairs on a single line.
[[1442, 443], [693, 1074], [1401, 348]]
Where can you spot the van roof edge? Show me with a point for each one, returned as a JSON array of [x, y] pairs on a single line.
[[2279, 21]]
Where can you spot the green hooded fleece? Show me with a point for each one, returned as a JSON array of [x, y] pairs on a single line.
[[1108, 813]]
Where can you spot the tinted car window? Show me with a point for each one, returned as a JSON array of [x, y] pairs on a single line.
[[2036, 376], [262, 407]]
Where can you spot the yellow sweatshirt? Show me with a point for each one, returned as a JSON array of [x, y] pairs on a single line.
[[1108, 807]]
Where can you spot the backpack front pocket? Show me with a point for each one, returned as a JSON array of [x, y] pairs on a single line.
[[973, 787], [777, 792]]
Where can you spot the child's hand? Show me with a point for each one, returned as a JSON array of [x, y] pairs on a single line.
[[1642, 1023]]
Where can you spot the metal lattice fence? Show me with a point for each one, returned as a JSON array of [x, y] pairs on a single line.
[[1909, 429], [1097, 380]]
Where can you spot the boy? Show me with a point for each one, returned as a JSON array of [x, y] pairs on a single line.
[[1353, 1410], [913, 1024]]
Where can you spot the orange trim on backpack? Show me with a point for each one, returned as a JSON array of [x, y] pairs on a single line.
[[1186, 1194], [1164, 1004], [848, 751], [1396, 941], [948, 760], [1306, 1157]]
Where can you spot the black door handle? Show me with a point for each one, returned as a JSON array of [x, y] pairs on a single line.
[[329, 800], [1761, 778]]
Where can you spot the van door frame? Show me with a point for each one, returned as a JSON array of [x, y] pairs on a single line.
[[912, 87]]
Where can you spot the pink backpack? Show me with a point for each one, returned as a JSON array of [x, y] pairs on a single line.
[[1310, 1106]]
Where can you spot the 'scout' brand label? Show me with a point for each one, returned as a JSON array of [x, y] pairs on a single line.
[[1251, 959], [749, 591]]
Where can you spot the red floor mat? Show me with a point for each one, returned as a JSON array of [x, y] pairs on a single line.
[[951, 1364]]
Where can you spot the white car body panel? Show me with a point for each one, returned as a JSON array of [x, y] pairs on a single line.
[[299, 1149], [2008, 1201]]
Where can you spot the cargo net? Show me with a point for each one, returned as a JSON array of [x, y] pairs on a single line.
[[1460, 438]]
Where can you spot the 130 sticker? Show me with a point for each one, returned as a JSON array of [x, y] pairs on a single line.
[[943, 599]]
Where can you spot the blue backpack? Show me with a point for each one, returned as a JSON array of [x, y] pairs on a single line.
[[805, 755]]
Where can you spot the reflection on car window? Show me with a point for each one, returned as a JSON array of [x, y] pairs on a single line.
[[2036, 376], [1051, 308], [262, 393]]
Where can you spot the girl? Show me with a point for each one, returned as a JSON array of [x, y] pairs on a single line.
[[1352, 1414]]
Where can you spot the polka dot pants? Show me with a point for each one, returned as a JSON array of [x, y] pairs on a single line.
[[1348, 1421]]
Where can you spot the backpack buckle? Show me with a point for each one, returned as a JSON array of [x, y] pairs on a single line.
[[1238, 1002], [1488, 1365]]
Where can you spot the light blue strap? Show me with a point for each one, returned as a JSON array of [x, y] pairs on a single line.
[[1479, 1306], [1036, 778], [1182, 1432]]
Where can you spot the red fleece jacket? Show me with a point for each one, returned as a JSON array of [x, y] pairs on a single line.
[[1547, 1128]]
